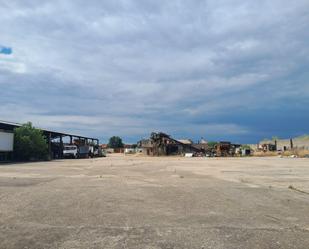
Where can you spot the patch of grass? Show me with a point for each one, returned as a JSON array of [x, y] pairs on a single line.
[[296, 152], [265, 154]]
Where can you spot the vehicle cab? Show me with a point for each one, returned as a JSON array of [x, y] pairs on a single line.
[[70, 151]]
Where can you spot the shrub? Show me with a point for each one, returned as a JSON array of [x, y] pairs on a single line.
[[29, 143]]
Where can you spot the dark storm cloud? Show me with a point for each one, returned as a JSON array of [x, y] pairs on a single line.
[[218, 69]]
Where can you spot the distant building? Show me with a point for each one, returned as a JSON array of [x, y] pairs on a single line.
[[224, 149], [267, 146], [285, 144], [161, 144], [301, 142], [146, 146]]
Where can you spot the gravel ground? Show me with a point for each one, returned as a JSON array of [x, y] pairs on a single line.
[[150, 203]]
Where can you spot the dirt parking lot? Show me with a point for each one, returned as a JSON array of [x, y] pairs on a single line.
[[150, 203]]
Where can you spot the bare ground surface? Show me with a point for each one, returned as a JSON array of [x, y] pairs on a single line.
[[149, 203]]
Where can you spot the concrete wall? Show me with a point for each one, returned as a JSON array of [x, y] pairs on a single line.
[[285, 144], [301, 143]]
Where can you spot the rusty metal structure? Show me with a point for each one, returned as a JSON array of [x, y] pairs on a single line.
[[226, 149], [161, 144], [223, 149]]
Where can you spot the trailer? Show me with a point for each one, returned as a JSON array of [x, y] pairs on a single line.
[[6, 141], [6, 145]]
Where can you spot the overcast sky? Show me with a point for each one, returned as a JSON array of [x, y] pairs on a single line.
[[218, 69]]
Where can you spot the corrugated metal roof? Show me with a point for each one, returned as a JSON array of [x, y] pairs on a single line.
[[185, 141], [14, 125]]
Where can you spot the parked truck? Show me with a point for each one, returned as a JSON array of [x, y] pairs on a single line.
[[82, 151], [98, 152], [85, 151], [70, 151]]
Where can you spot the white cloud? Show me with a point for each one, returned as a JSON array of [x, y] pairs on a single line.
[[11, 64]]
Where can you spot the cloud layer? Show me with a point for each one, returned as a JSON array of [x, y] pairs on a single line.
[[222, 69]]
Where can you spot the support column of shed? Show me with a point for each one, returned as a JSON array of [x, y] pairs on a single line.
[[61, 147], [50, 156]]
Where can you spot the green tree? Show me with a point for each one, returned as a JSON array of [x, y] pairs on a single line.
[[29, 143], [211, 144], [115, 142], [274, 138], [245, 147]]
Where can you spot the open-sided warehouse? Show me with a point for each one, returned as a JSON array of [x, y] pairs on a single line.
[[55, 148]]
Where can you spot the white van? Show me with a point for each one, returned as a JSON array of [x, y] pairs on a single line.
[[70, 151]]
